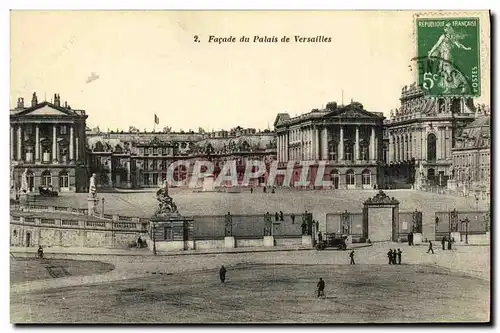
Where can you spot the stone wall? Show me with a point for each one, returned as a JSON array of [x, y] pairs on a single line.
[[72, 231]]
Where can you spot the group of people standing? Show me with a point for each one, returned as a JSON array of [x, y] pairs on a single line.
[[394, 256]]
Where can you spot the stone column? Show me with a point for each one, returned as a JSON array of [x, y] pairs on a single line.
[[324, 144], [341, 144], [54, 143], [446, 154], [37, 142], [316, 148], [373, 156], [128, 171], [19, 143], [77, 149], [110, 179], [12, 146], [71, 146], [356, 147], [407, 144], [391, 148], [286, 147]]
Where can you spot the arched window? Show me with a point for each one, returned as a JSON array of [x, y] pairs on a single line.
[[366, 177], [363, 147], [46, 179], [31, 180], [334, 176], [63, 179], [455, 105], [350, 178], [431, 147], [118, 149], [385, 154]]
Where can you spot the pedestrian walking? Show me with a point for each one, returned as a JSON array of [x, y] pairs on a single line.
[[443, 241], [320, 236], [282, 217], [293, 218], [321, 288], [251, 189], [450, 240], [276, 216], [351, 255], [430, 248], [399, 256], [389, 255], [222, 274]]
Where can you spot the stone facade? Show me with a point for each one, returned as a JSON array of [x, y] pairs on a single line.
[[348, 139], [471, 157], [48, 140], [424, 130]]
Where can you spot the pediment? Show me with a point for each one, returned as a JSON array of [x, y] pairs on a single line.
[[46, 109], [353, 113]]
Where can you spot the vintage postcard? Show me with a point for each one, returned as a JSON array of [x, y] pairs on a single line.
[[251, 167]]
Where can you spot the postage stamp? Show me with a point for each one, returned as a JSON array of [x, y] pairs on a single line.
[[448, 56]]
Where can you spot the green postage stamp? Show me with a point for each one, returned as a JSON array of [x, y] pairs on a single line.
[[448, 56]]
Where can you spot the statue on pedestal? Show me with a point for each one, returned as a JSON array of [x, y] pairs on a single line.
[[268, 225], [92, 188], [24, 181], [166, 204]]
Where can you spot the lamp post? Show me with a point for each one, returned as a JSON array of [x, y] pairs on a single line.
[[466, 222], [102, 208], [153, 231]]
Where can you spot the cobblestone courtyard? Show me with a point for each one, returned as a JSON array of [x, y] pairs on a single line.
[[267, 287]]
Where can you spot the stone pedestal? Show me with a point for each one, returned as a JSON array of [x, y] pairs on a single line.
[[23, 198], [171, 232], [455, 236], [417, 238], [307, 241], [229, 242], [268, 241], [452, 184], [91, 205]]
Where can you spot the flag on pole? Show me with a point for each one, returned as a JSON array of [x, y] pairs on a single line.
[[157, 120]]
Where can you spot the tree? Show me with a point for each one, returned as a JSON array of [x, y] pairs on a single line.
[[167, 129], [201, 130]]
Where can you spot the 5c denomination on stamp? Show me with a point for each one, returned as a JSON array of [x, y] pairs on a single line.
[[448, 56]]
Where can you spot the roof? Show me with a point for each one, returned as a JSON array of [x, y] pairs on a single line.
[[476, 135], [45, 109]]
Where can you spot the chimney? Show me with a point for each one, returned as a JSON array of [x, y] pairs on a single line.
[[57, 100], [34, 100], [66, 104], [20, 103]]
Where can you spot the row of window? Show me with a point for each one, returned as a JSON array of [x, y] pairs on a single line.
[[61, 130], [46, 179]]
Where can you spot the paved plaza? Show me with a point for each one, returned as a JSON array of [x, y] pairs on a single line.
[[267, 287]]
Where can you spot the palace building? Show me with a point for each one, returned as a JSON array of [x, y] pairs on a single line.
[[47, 140], [471, 157], [347, 139], [423, 131], [141, 159]]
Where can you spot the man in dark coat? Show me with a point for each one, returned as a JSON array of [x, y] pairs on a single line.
[[389, 255], [276, 216], [282, 217], [430, 248], [399, 256], [321, 288], [222, 274], [443, 241], [293, 218], [351, 255], [394, 255], [449, 243]]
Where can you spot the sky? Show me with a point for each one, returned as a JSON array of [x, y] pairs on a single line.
[[147, 62]]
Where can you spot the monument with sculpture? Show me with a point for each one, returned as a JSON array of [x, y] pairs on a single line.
[[168, 230], [92, 199]]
